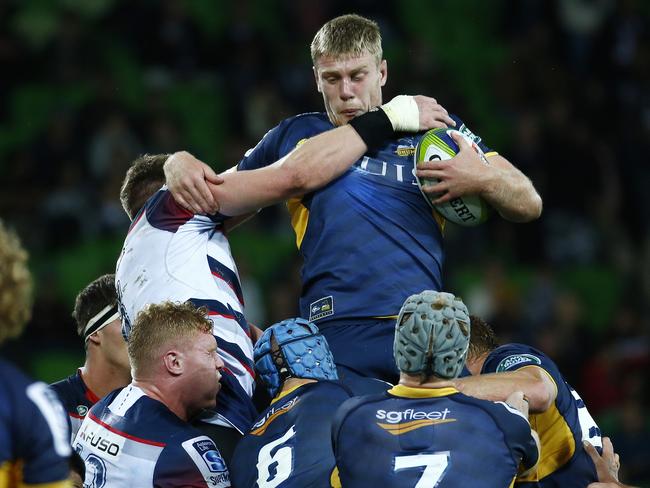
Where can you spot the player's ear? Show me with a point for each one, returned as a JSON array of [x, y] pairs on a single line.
[[94, 338], [383, 72], [173, 362], [315, 71]]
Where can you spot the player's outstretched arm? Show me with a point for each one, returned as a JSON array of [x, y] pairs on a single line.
[[539, 389], [607, 465], [308, 167], [502, 185]]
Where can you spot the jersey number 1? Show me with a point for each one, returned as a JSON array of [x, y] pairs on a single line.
[[435, 467]]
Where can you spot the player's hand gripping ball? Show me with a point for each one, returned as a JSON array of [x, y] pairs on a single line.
[[437, 145]]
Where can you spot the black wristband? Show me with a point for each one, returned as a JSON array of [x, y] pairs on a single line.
[[374, 128]]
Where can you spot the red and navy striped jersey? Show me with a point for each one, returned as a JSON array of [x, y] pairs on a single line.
[[129, 439], [34, 438], [172, 254], [429, 437], [76, 399], [370, 231], [561, 428]]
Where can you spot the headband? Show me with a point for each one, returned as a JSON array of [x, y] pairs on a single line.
[[101, 320]]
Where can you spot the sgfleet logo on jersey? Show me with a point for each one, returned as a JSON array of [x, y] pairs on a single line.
[[402, 421], [261, 425], [515, 360]]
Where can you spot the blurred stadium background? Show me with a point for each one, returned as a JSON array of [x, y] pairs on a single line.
[[561, 88]]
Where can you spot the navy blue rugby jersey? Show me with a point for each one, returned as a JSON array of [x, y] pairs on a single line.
[[411, 437], [129, 439], [562, 428], [34, 438], [76, 398], [289, 445], [371, 229]]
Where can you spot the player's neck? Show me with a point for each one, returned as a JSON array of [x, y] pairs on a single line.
[[291, 384], [165, 394], [102, 378], [413, 381]]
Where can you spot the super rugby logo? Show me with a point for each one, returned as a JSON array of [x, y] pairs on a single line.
[[210, 456], [402, 421], [515, 360], [323, 307], [261, 425]]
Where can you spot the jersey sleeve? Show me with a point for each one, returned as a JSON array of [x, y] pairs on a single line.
[[511, 357], [194, 463], [42, 437], [282, 139], [517, 433], [463, 129]]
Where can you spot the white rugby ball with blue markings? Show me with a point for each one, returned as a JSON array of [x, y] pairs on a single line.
[[437, 145]]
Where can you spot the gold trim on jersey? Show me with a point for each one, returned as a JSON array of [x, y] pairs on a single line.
[[557, 444], [284, 393], [11, 477], [491, 153], [440, 220], [335, 480], [299, 218], [404, 427], [411, 392]]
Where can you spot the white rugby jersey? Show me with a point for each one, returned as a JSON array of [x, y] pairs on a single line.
[[129, 439], [172, 254]]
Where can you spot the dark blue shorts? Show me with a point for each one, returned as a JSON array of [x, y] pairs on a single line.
[[366, 348]]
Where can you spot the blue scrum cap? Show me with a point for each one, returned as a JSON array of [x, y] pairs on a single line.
[[293, 348]]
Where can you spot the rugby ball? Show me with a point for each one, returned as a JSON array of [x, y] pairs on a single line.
[[437, 145]]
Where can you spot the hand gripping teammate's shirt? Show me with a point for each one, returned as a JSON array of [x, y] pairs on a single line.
[[289, 444], [76, 399], [129, 439], [410, 437], [368, 239], [34, 439], [172, 254], [561, 428]]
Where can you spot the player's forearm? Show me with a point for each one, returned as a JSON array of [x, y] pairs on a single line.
[[538, 389], [321, 159], [310, 166], [511, 193]]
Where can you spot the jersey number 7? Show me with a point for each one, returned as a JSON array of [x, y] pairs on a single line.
[[435, 466]]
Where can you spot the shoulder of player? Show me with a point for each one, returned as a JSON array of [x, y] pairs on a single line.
[[70, 390], [193, 452], [304, 125], [510, 357], [330, 389], [355, 403]]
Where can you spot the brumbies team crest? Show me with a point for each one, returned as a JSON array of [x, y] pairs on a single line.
[[515, 360]]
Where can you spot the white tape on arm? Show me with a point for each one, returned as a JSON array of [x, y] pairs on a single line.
[[403, 113]]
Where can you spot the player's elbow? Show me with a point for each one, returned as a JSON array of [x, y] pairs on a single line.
[[534, 207], [529, 209], [541, 392]]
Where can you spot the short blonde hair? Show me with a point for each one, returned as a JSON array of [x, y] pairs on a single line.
[[159, 324], [15, 285], [347, 36]]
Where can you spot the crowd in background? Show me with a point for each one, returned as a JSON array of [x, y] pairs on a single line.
[[561, 88]]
